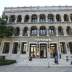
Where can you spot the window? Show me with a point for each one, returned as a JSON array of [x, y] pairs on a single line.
[[26, 19], [63, 48], [15, 48], [12, 18], [43, 31], [58, 18], [52, 30], [17, 31], [6, 47], [42, 18], [33, 30], [69, 30], [19, 18], [23, 48], [66, 17], [34, 18], [25, 31], [60, 30], [50, 18]]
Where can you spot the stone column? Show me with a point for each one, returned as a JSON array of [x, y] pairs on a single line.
[[8, 19], [54, 18], [48, 53], [11, 47], [56, 31], [16, 19], [22, 19], [64, 29], [38, 19], [46, 17], [30, 18], [38, 31], [21, 31], [62, 18], [69, 17], [28, 32]]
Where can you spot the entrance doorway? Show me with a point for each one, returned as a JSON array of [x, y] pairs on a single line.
[[43, 50], [38, 51], [34, 51], [53, 50]]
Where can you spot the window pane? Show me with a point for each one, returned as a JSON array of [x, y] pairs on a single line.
[[6, 47]]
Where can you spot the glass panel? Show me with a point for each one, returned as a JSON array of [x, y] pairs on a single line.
[[6, 47]]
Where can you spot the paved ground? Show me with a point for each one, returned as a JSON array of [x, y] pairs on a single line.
[[12, 68]]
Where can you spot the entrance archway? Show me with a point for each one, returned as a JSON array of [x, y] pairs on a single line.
[[53, 50]]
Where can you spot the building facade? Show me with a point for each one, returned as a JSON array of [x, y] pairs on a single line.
[[41, 33]]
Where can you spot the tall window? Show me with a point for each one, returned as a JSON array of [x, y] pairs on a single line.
[[52, 30], [12, 18], [66, 18], [42, 18], [34, 18], [58, 18], [42, 31], [50, 18], [19, 18], [63, 48], [17, 31], [69, 30], [6, 47], [33, 30], [23, 48], [26, 19], [15, 48], [60, 30], [25, 31]]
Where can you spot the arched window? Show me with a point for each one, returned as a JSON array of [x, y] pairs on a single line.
[[58, 17], [19, 18], [26, 19], [25, 31], [60, 30], [17, 31], [34, 18], [33, 30], [66, 18], [42, 18], [69, 30], [71, 17], [50, 18], [52, 30], [12, 18], [42, 31]]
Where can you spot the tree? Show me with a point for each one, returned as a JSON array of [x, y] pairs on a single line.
[[5, 31]]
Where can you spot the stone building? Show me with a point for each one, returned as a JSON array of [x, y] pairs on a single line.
[[41, 33]]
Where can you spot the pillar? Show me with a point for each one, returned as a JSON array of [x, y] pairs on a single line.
[[55, 18], [29, 18], [22, 19], [15, 19], [21, 31], [62, 18]]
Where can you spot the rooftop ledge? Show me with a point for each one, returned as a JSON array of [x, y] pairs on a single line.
[[38, 8]]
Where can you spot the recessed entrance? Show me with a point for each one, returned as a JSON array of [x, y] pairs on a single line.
[[38, 51], [43, 50], [53, 50]]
